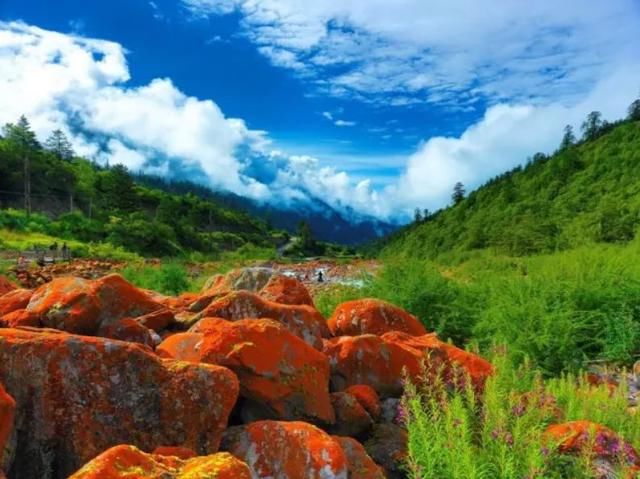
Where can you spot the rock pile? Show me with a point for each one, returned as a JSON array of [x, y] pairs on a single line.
[[245, 380]]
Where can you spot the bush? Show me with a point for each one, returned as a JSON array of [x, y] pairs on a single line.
[[457, 435]]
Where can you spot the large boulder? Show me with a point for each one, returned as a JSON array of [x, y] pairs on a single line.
[[372, 316], [388, 447], [368, 398], [369, 360], [82, 306], [6, 286], [286, 290], [77, 396], [286, 450], [130, 330], [251, 279], [360, 465], [7, 415], [280, 375], [444, 359], [129, 462], [14, 300], [302, 320]]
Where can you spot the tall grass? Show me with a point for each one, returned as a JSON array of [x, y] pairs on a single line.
[[170, 278], [558, 310], [460, 435]]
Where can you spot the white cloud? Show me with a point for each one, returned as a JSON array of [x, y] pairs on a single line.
[[449, 52], [344, 123], [504, 138], [80, 86]]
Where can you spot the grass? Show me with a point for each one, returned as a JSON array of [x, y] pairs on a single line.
[[557, 310], [459, 435]]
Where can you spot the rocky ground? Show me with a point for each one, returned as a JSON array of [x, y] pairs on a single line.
[[246, 379]]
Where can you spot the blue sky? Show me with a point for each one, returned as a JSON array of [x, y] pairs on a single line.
[[373, 105]]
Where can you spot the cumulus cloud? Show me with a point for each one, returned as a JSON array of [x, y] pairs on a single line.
[[448, 52], [80, 86]]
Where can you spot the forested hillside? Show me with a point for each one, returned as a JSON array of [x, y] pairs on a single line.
[[71, 197], [586, 192]]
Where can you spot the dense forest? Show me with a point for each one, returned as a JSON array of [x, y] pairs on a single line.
[[588, 191], [71, 197]]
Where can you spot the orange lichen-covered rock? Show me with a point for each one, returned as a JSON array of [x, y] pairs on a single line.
[[20, 318], [368, 398], [369, 360], [352, 419], [157, 320], [388, 447], [7, 415], [77, 396], [207, 325], [6, 286], [286, 290], [251, 279], [276, 369], [181, 452], [577, 437], [14, 300], [130, 330], [372, 316], [444, 358], [359, 464], [182, 346], [302, 320], [286, 450], [129, 462], [81, 306]]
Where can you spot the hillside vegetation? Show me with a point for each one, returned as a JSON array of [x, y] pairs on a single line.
[[584, 193], [80, 200]]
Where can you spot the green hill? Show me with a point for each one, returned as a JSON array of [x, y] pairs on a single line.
[[74, 199], [584, 193]]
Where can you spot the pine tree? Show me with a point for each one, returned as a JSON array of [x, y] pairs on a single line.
[[417, 216], [21, 134], [592, 126], [458, 193], [634, 110], [569, 139], [59, 145]]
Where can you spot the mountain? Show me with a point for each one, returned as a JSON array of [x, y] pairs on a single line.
[[584, 193], [327, 223]]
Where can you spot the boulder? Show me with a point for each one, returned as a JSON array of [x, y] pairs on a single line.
[[280, 375], [388, 447], [359, 464], [129, 330], [251, 279], [369, 360], [352, 419], [77, 396], [575, 437], [129, 462], [453, 363], [286, 450], [7, 416], [20, 318], [172, 451], [286, 290], [368, 398], [14, 300], [6, 286], [302, 320], [82, 306], [372, 316]]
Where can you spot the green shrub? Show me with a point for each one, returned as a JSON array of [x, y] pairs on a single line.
[[169, 278], [458, 435]]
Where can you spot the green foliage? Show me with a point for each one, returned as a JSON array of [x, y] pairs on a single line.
[[458, 435], [583, 194], [169, 278], [82, 201]]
